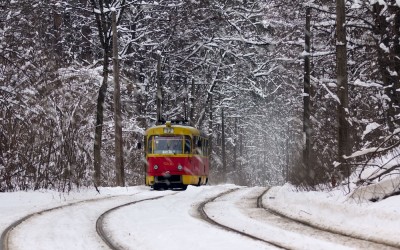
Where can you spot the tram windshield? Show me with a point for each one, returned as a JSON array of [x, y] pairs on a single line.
[[168, 144]]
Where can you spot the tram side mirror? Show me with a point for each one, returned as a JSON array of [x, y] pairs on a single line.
[[139, 145]]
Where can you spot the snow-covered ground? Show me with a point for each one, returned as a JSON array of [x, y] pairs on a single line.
[[351, 214], [173, 222]]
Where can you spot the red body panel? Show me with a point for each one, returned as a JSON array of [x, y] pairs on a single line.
[[192, 165]]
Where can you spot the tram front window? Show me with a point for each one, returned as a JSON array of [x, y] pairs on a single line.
[[168, 144]]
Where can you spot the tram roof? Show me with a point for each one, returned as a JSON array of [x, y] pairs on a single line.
[[178, 129]]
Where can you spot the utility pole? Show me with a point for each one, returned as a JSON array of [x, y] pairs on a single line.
[[341, 66], [307, 92], [119, 164]]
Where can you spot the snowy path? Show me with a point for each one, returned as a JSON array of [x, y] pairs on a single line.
[[378, 222], [70, 227], [273, 228], [172, 221], [107, 237]]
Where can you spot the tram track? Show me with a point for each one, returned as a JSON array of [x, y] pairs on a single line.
[[249, 205], [260, 205], [206, 217], [285, 223], [100, 229], [5, 236]]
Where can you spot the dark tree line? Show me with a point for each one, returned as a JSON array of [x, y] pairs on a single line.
[[244, 58], [371, 114]]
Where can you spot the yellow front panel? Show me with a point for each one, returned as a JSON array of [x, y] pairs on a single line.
[[190, 179], [149, 180]]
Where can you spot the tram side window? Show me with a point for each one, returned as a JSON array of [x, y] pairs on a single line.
[[202, 146], [195, 145], [150, 145], [205, 147], [198, 146], [188, 143]]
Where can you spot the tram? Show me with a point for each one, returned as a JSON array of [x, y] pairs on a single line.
[[177, 155]]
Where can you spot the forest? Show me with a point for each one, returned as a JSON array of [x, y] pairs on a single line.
[[266, 73]]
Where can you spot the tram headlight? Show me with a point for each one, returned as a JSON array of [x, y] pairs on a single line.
[[155, 167], [180, 167]]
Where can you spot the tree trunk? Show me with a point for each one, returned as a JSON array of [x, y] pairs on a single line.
[[159, 91], [341, 65], [235, 146], [287, 152], [223, 143], [210, 92], [192, 105], [307, 92], [388, 60], [103, 28], [119, 163], [99, 122], [210, 130], [241, 146]]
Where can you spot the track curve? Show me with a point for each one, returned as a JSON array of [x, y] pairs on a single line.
[[100, 222], [173, 223], [242, 210], [4, 239], [5, 236], [247, 216], [380, 244], [204, 215]]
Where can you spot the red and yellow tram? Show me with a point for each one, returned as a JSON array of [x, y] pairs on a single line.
[[176, 156]]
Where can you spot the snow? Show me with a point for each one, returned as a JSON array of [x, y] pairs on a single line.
[[360, 83], [173, 222], [365, 151], [178, 227], [384, 47], [356, 5], [369, 128], [377, 190], [256, 225], [345, 214]]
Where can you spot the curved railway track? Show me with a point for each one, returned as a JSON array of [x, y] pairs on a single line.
[[5, 236], [348, 240], [100, 222], [380, 244], [203, 214], [253, 201]]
